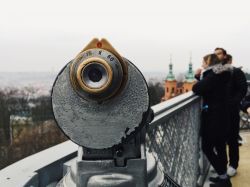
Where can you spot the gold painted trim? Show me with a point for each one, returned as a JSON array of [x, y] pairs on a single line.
[[105, 45], [108, 47], [81, 82]]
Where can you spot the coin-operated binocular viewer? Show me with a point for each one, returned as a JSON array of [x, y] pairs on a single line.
[[100, 101]]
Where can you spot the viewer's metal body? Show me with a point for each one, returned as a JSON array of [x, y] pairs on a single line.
[[101, 102]]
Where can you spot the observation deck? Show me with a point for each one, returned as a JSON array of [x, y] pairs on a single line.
[[172, 144]]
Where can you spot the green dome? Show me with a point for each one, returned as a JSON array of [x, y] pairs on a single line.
[[190, 74]]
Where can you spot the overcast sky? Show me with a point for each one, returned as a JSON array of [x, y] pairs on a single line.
[[44, 35]]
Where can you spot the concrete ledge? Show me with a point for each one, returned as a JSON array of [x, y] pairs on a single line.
[[39, 169]]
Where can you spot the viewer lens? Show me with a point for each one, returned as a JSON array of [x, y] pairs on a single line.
[[95, 75]]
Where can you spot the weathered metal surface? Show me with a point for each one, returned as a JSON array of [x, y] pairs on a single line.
[[105, 173], [109, 175], [100, 125]]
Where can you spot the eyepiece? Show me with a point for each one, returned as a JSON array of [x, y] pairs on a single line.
[[96, 74]]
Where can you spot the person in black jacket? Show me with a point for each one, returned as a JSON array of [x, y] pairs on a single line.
[[213, 87], [245, 105], [237, 90]]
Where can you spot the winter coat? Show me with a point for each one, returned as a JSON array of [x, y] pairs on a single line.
[[237, 88], [245, 103], [214, 89]]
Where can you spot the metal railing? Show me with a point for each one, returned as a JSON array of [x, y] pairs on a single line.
[[173, 138]]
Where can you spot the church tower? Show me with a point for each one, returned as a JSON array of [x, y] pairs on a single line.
[[189, 77], [170, 83]]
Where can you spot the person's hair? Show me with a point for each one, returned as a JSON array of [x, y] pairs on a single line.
[[211, 59], [229, 58], [223, 50]]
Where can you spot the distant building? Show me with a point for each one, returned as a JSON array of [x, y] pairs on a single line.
[[174, 88]]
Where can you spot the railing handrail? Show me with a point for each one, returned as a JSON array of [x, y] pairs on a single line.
[[171, 106], [163, 106]]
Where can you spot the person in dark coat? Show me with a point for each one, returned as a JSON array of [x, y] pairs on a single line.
[[213, 87], [237, 90], [245, 105]]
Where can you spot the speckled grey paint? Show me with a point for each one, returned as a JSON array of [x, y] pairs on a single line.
[[99, 125]]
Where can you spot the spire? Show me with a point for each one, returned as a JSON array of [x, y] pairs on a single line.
[[170, 76], [190, 60], [190, 66], [190, 74]]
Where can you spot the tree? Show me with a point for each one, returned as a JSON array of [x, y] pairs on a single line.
[[4, 120], [42, 109], [247, 76], [156, 92]]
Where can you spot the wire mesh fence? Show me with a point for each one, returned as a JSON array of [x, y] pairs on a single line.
[[175, 143]]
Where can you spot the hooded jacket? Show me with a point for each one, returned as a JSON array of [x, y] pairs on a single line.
[[213, 87], [238, 88]]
